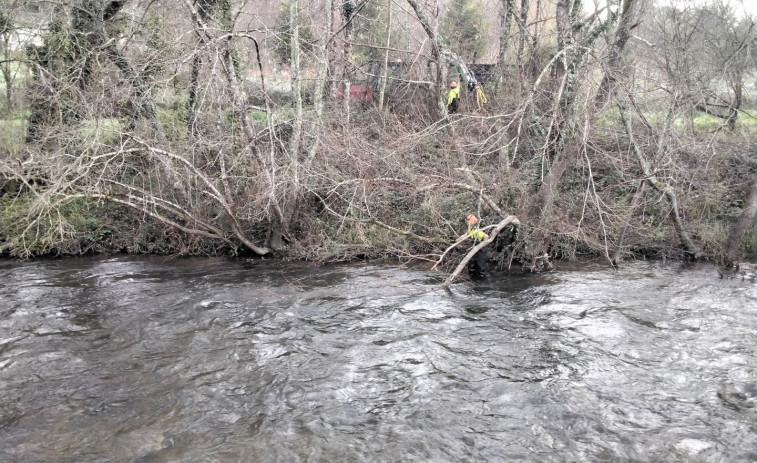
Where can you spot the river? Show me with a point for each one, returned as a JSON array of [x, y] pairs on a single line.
[[152, 359]]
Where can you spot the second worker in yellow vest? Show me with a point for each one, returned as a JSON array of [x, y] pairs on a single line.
[[453, 97]]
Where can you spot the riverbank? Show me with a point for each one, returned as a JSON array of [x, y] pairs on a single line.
[[101, 228], [400, 194]]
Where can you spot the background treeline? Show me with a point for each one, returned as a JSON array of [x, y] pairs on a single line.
[[319, 129]]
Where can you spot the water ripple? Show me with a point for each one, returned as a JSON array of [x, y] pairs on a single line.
[[154, 359]]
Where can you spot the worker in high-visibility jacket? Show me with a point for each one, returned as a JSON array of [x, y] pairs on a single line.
[[453, 97], [477, 265]]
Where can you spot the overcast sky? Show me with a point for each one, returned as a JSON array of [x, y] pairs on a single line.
[[750, 6], [740, 6]]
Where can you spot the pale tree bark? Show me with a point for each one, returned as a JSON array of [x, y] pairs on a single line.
[[348, 12], [506, 11], [436, 55], [385, 65], [320, 84], [331, 83], [6, 29], [522, 35]]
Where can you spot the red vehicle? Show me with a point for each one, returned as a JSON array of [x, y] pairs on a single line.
[[359, 91]]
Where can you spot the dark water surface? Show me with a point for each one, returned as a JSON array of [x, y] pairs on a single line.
[[213, 360]]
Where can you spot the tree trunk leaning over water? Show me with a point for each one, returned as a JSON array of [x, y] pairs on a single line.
[[562, 143], [742, 225], [202, 31], [461, 266]]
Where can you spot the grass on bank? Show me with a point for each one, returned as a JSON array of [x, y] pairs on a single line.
[[12, 134], [699, 123]]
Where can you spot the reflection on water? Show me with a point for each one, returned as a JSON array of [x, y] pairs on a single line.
[[164, 360]]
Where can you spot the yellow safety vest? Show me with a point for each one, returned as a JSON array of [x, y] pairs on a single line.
[[476, 233], [453, 93]]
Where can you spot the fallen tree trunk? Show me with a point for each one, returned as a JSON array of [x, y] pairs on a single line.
[[507, 221]]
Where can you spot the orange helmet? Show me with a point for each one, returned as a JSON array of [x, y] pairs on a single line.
[[453, 84]]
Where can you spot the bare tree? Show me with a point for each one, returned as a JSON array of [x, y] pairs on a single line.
[[563, 144], [6, 31], [348, 15], [385, 64], [436, 54]]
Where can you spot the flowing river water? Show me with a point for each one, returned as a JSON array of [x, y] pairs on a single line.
[[145, 359]]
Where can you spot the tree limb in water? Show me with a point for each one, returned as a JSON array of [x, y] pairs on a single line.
[[507, 221]]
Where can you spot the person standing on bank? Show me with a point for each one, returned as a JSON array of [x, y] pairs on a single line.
[[477, 264], [453, 97]]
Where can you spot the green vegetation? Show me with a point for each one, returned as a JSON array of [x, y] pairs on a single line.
[[173, 122], [17, 70], [283, 36], [12, 133], [463, 28], [370, 30], [100, 131]]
